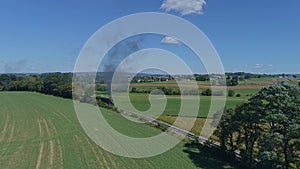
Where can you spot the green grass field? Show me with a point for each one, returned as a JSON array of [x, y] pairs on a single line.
[[141, 103], [39, 131]]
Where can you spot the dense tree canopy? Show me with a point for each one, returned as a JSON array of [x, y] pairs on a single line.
[[266, 130], [57, 84]]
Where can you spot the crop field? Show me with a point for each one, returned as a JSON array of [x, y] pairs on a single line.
[[39, 131], [253, 83], [245, 90], [140, 101]]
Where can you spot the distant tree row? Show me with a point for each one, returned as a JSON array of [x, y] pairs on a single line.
[[266, 130], [244, 75], [158, 90], [57, 84], [176, 91], [232, 80], [201, 77], [209, 92]]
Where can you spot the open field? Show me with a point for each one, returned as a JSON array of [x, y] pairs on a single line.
[[253, 83], [201, 86], [40, 131], [246, 88], [141, 102]]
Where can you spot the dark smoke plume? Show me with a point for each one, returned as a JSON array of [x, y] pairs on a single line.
[[116, 55]]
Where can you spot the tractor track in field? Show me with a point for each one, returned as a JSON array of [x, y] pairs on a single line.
[[104, 160], [95, 153], [58, 148], [51, 156], [38, 139], [77, 149], [55, 111], [43, 122], [59, 114], [114, 165], [11, 135], [38, 164], [2, 134], [52, 143], [60, 152]]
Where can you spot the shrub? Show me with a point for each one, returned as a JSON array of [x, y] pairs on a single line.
[[231, 93], [206, 92], [133, 90]]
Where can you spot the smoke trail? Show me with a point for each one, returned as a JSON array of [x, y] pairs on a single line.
[[116, 55]]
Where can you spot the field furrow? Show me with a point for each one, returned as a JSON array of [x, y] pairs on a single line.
[[39, 131], [40, 156], [99, 161], [3, 131]]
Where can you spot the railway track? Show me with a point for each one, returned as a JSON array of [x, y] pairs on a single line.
[[200, 139]]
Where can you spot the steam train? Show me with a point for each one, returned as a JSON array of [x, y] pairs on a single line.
[[106, 100]]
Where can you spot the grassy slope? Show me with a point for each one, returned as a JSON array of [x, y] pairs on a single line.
[[38, 131]]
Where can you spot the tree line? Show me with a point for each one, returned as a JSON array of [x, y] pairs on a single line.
[[57, 84], [174, 91], [265, 130]]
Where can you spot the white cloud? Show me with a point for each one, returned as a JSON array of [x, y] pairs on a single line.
[[170, 40], [258, 66], [184, 7]]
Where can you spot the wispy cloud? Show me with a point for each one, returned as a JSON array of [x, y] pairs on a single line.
[[185, 7], [258, 66], [170, 40]]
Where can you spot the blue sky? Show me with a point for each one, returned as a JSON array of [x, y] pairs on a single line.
[[261, 36]]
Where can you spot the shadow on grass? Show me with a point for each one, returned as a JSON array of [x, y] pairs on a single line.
[[206, 157]]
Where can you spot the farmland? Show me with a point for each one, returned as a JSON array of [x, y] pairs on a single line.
[[245, 90], [141, 103], [40, 131]]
